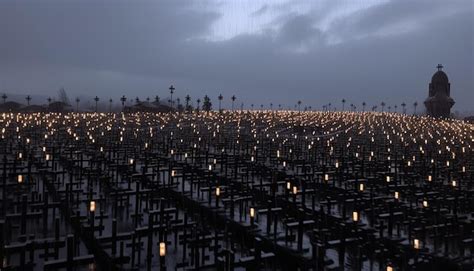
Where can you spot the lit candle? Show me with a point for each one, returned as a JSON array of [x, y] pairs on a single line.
[[131, 161], [20, 178], [397, 195], [430, 178], [288, 185], [355, 216], [218, 191], [425, 203], [326, 177], [92, 206], [389, 268], [295, 190], [162, 249], [252, 212], [416, 244], [361, 187], [388, 179], [47, 157], [453, 183]]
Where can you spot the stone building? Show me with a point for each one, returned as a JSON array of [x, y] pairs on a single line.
[[439, 103]]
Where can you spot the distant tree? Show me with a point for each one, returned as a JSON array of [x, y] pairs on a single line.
[[123, 100], [110, 104], [148, 99], [233, 100], [415, 104], [4, 97], [62, 95], [363, 106], [395, 108], [343, 104], [389, 108], [206, 104], [251, 106], [157, 99], [403, 106], [49, 100], [96, 99], [137, 100], [299, 105], [77, 104], [271, 106], [220, 97], [383, 105], [187, 99], [198, 102], [28, 99]]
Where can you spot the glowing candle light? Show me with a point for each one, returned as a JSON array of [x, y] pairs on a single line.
[[425, 203], [453, 183], [252, 212], [295, 190], [47, 157], [416, 244], [162, 249], [388, 179], [20, 155], [430, 178], [252, 159], [337, 164], [397, 195], [326, 177], [131, 161], [20, 178], [210, 167], [284, 164], [463, 169], [288, 185], [92, 206], [218, 191], [173, 173], [355, 216], [361, 187]]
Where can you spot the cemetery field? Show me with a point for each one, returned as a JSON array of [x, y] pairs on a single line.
[[236, 190]]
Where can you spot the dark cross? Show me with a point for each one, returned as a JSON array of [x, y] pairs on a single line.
[[171, 92], [439, 67]]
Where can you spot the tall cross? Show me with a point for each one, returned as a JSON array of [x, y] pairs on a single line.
[[439, 67]]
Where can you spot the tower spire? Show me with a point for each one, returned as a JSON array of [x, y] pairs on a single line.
[[440, 67]]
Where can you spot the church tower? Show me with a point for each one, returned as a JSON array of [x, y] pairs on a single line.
[[439, 103]]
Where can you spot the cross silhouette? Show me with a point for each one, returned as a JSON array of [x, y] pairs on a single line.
[[439, 67]]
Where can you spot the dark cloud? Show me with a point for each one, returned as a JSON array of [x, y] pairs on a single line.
[[383, 53]]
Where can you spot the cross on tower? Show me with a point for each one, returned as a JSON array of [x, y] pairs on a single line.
[[439, 67]]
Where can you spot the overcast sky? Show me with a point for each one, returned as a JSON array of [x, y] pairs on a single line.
[[279, 52]]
